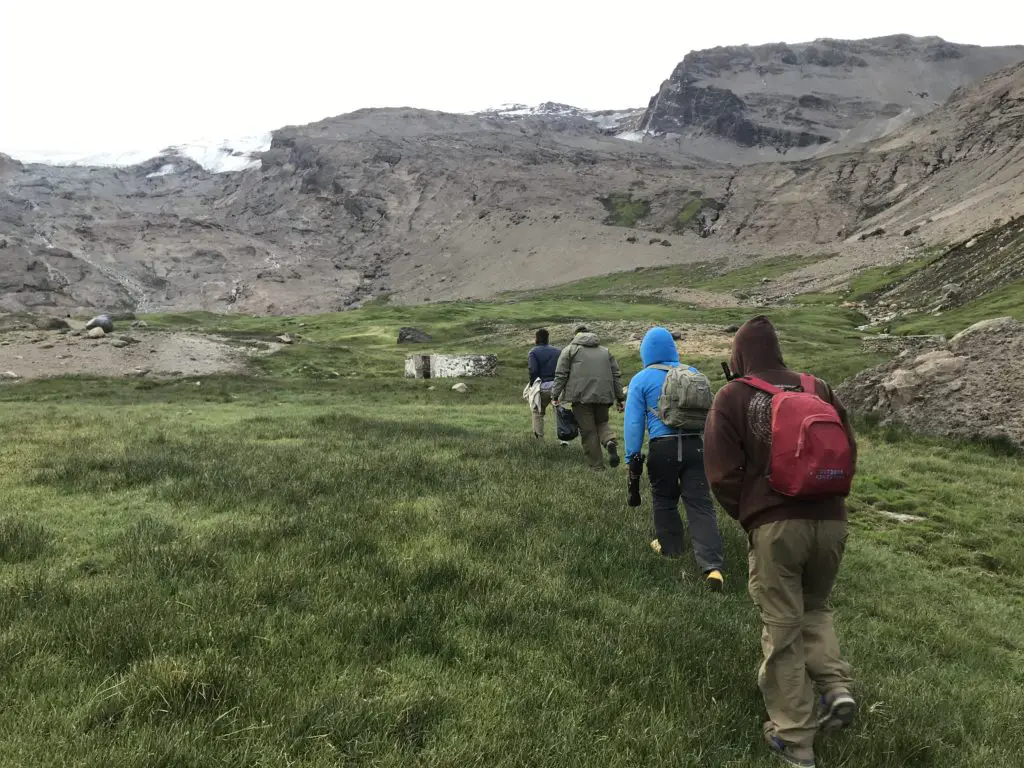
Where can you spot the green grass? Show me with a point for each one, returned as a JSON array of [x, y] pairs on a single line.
[[360, 346], [623, 210], [689, 211], [1007, 301], [870, 283], [630, 287], [297, 568], [764, 269], [626, 287]]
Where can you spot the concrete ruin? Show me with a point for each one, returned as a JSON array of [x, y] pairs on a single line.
[[450, 366]]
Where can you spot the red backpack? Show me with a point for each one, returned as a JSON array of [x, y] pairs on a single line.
[[811, 456]]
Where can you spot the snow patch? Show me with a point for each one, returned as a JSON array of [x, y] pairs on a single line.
[[631, 135], [547, 109], [613, 119], [225, 156], [605, 119], [165, 170], [216, 156]]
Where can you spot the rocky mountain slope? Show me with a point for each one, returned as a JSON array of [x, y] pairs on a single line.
[[755, 103], [425, 206], [965, 272], [968, 388]]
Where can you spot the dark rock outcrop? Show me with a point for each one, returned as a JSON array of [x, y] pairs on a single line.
[[413, 336], [792, 97]]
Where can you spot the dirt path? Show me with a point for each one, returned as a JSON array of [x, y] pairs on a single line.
[[44, 354]]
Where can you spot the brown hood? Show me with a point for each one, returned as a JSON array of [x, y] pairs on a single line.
[[737, 437], [756, 349]]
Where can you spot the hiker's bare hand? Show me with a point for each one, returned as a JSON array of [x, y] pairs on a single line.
[[620, 407]]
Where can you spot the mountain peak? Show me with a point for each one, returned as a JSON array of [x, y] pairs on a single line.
[[803, 99]]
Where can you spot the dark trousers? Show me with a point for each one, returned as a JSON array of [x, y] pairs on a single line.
[[675, 467]]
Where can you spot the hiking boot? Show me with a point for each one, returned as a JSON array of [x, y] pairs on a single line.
[[659, 550], [714, 580], [801, 757], [613, 454], [837, 711]]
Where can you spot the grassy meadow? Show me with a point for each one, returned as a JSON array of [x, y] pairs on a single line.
[[323, 564]]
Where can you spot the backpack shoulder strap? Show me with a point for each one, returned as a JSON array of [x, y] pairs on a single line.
[[759, 384], [660, 367], [809, 384]]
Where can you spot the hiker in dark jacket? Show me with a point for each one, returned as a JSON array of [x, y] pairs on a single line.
[[541, 362], [795, 550], [675, 464], [587, 376]]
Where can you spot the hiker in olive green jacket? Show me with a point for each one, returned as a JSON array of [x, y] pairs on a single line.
[[588, 377]]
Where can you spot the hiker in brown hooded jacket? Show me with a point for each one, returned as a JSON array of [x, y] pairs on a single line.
[[795, 549]]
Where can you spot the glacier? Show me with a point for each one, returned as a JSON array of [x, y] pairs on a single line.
[[215, 156]]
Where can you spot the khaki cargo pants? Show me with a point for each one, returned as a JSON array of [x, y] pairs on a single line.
[[594, 431], [538, 418], [793, 566]]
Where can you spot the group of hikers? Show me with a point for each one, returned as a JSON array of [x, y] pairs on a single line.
[[776, 449]]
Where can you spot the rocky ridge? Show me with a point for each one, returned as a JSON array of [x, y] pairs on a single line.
[[965, 272], [752, 103], [424, 206]]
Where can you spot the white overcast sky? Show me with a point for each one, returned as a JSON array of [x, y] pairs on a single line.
[[97, 75]]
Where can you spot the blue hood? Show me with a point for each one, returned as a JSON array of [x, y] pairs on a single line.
[[658, 346], [645, 389]]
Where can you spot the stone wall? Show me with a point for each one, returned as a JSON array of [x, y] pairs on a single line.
[[417, 367], [450, 366]]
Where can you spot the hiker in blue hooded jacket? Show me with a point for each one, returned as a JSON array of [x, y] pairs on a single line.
[[675, 464]]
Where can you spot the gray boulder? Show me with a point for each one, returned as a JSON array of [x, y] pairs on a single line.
[[101, 321], [52, 324], [968, 388], [413, 336]]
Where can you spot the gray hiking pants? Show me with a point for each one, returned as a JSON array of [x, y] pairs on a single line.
[[676, 469]]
